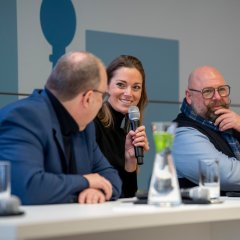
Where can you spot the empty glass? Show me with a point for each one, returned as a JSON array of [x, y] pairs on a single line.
[[5, 185]]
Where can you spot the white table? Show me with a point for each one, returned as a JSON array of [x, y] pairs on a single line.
[[122, 221]]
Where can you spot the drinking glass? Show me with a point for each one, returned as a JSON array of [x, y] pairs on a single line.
[[5, 187], [9, 204], [209, 177]]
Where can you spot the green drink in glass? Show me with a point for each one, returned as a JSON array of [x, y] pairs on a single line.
[[162, 140], [163, 135]]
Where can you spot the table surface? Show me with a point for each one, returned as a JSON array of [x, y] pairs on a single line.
[[72, 219]]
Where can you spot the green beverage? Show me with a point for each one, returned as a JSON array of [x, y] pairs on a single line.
[[162, 140]]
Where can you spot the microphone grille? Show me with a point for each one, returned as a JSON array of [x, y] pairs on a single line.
[[133, 113]]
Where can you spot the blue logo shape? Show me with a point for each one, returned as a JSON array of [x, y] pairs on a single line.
[[58, 23]]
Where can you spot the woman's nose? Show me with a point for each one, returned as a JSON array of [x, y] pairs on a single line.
[[128, 91]]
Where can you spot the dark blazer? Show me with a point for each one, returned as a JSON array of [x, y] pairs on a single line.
[[31, 139]]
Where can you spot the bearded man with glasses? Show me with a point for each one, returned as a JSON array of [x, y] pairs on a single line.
[[207, 128]]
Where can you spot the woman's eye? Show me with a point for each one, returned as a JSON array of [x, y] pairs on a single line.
[[136, 88], [120, 85]]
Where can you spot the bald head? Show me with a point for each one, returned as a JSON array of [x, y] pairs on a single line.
[[75, 72], [214, 96], [205, 76]]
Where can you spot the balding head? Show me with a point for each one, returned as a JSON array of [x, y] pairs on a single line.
[[205, 76], [209, 79], [75, 72]]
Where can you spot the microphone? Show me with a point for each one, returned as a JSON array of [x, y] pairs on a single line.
[[9, 206], [134, 116], [196, 193]]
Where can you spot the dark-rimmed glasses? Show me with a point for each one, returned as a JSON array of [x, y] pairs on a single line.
[[209, 92], [105, 95]]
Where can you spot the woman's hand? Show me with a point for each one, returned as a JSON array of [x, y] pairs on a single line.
[[134, 139]]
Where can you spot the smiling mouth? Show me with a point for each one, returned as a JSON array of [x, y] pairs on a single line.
[[126, 102]]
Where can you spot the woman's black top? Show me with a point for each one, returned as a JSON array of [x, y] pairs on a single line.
[[111, 141]]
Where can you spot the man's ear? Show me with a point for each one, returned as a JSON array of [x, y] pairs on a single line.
[[188, 96], [86, 98]]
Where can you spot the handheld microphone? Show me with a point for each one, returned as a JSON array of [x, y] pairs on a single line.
[[134, 116]]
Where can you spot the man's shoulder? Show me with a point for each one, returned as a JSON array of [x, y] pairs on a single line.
[[188, 131], [34, 106]]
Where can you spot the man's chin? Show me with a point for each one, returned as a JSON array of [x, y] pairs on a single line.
[[211, 116]]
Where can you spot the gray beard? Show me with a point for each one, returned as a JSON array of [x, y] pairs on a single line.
[[210, 115]]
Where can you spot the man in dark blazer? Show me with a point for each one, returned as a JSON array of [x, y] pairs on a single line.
[[49, 138]]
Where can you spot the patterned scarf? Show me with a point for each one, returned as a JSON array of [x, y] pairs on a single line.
[[227, 135]]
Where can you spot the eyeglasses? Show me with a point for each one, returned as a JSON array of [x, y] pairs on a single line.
[[209, 92], [105, 95]]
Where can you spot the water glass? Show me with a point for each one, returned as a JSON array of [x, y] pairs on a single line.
[[209, 177], [5, 183]]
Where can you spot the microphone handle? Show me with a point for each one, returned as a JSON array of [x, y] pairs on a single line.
[[140, 160], [138, 150], [134, 124]]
